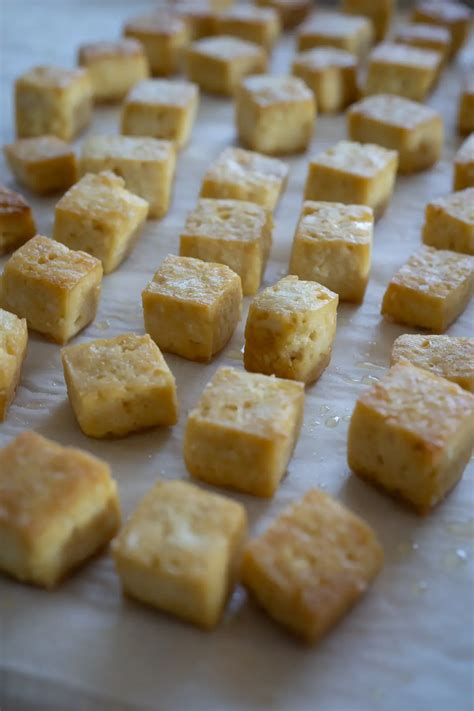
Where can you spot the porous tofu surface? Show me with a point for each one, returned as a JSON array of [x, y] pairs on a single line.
[[336, 221], [52, 78], [335, 24], [321, 58], [160, 23], [361, 159], [127, 148], [437, 272], [163, 92], [459, 205], [11, 203], [394, 111], [405, 56], [38, 149], [237, 165], [465, 154], [292, 295], [225, 48], [265, 90], [228, 220], [120, 49]]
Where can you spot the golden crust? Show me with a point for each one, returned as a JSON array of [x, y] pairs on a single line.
[[12, 203], [93, 51], [52, 78], [159, 23], [361, 159]]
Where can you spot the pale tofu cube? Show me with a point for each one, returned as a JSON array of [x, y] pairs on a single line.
[[114, 67], [53, 100], [13, 345], [260, 25], [464, 165], [331, 74], [291, 12], [426, 37], [275, 114], [431, 290], [58, 507], [411, 435], [402, 70], [245, 175], [99, 216], [200, 17], [333, 246], [231, 232], [311, 565], [465, 119], [192, 307], [414, 130], [290, 330], [16, 220], [449, 222], [242, 433], [147, 166], [164, 37], [455, 16], [119, 385], [380, 12], [353, 173], [449, 357], [353, 33], [44, 164], [56, 289], [161, 108]]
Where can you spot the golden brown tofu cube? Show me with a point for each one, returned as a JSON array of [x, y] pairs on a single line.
[[380, 12], [16, 220], [465, 119], [13, 344], [331, 74], [449, 222], [291, 12], [114, 67], [260, 25], [464, 165], [353, 33], [402, 70], [425, 37], [455, 16], [44, 165], [200, 17], [164, 37]]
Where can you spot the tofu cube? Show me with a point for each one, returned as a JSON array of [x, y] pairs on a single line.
[[192, 307], [53, 100], [465, 118], [290, 330], [311, 565], [231, 232], [242, 432], [353, 173], [291, 12], [13, 344], [449, 357], [119, 385], [379, 12], [114, 67], [260, 25], [16, 220], [455, 16], [275, 114], [425, 37], [411, 435], [58, 507], [54, 288], [181, 551], [464, 165], [449, 222], [352, 33], [45, 164], [402, 70], [431, 290], [164, 37], [414, 130], [331, 74], [147, 166], [200, 17], [245, 175], [99, 216], [333, 246], [161, 108]]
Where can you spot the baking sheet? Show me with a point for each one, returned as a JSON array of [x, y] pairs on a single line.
[[408, 646]]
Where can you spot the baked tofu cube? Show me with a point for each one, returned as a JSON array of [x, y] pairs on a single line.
[[449, 222], [431, 290], [465, 119], [311, 565], [242, 432], [260, 25], [353, 33], [411, 435], [13, 344], [290, 330], [449, 357], [164, 37], [379, 12], [333, 246], [402, 70], [53, 100], [291, 12], [275, 114], [146, 165], [200, 17], [58, 507], [99, 216], [161, 108], [245, 175], [331, 74], [231, 232], [119, 385], [45, 164], [54, 288], [114, 67], [464, 165], [426, 37], [414, 130], [353, 173], [181, 550], [16, 220], [218, 64], [455, 16], [192, 307]]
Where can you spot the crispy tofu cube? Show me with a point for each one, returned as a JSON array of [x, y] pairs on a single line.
[[53, 100], [119, 385], [455, 16], [13, 344], [146, 165], [54, 288], [164, 37], [449, 222], [218, 64], [465, 119], [426, 37], [245, 175], [243, 430], [449, 357], [192, 307], [275, 114], [181, 550], [311, 565], [161, 108], [99, 216], [414, 130], [464, 165], [331, 74], [44, 165], [353, 173], [291, 12], [402, 70], [333, 246], [16, 220], [290, 330], [411, 435], [431, 290], [353, 33], [260, 25], [379, 12], [231, 232], [200, 17], [114, 67]]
